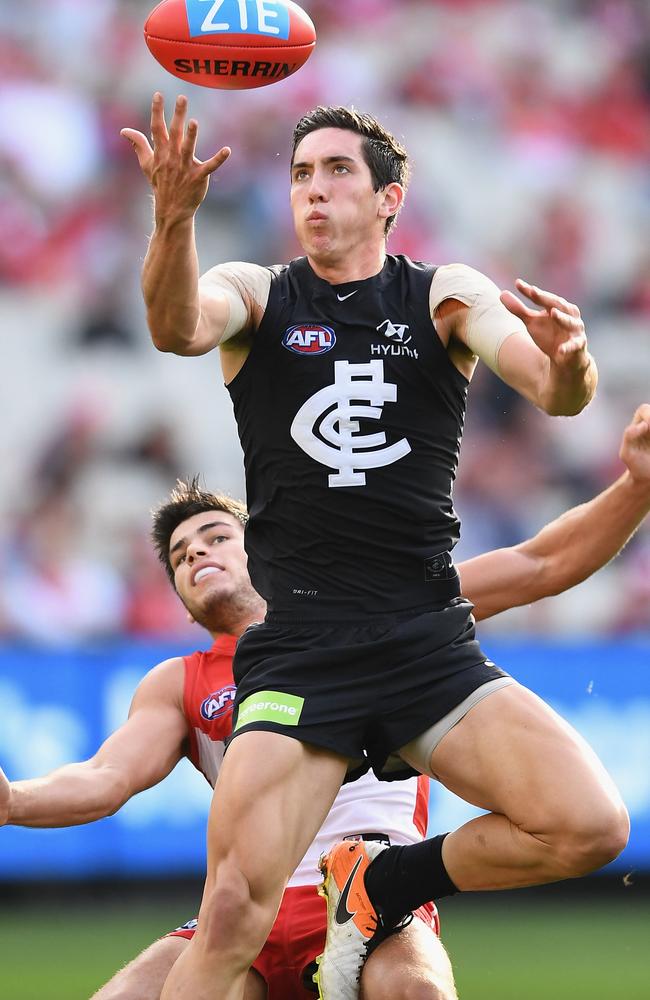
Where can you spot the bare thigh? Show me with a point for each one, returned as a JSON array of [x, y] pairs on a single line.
[[264, 832], [512, 754], [409, 964], [143, 978]]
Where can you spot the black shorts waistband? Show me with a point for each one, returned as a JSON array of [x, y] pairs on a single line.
[[331, 616]]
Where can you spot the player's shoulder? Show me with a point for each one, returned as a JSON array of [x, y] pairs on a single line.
[[462, 282], [241, 276], [164, 681]]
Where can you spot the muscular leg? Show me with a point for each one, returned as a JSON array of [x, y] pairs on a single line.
[[272, 795], [411, 965], [554, 811], [143, 978]]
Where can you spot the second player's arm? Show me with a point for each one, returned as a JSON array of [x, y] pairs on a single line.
[[571, 548], [136, 756]]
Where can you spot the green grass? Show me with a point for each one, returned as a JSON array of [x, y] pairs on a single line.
[[68, 954], [501, 950], [555, 951]]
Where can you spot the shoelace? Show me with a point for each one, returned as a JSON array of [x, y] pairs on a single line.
[[380, 931]]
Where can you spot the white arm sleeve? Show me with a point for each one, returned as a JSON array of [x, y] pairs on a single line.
[[244, 285], [488, 322]]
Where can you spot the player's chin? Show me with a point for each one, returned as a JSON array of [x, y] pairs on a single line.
[[320, 246], [315, 235], [215, 589]]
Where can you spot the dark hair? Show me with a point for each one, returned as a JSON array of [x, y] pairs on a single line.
[[185, 500], [386, 157]]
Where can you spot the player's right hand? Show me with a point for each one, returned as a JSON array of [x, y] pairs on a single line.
[[5, 795], [635, 446], [179, 180], [556, 325]]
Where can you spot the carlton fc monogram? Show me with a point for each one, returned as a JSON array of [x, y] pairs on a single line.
[[334, 412]]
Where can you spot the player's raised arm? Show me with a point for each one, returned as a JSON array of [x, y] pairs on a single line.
[[542, 353], [180, 318], [136, 756], [571, 548]]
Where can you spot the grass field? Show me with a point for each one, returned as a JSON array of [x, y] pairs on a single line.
[[509, 949]]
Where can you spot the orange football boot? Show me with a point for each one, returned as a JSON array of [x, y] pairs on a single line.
[[352, 921]]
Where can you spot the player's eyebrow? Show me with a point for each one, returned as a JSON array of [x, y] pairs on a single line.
[[326, 159], [201, 531]]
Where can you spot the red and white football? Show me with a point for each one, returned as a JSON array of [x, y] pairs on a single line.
[[230, 44]]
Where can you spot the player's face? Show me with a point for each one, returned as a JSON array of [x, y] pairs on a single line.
[[332, 199], [209, 562]]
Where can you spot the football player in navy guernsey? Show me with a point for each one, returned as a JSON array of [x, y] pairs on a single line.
[[348, 370]]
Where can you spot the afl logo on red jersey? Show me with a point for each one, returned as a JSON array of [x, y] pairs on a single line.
[[218, 703], [309, 339]]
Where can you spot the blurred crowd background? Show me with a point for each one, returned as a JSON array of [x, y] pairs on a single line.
[[528, 122]]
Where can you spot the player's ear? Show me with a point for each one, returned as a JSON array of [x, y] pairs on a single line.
[[391, 200]]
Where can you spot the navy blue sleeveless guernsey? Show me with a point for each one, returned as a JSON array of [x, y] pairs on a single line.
[[350, 416]]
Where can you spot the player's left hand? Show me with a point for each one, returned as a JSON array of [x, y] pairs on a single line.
[[635, 446], [556, 326]]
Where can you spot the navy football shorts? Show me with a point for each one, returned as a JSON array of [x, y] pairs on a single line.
[[363, 690]]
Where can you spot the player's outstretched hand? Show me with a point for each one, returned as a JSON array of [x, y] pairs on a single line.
[[179, 180], [5, 795], [556, 326], [635, 446]]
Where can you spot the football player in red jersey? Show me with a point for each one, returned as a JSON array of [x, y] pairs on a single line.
[[187, 702]]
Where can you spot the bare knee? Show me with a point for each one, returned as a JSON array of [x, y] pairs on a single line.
[[232, 919], [411, 965], [404, 984], [592, 839]]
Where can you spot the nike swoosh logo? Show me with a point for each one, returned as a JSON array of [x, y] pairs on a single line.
[[342, 298], [342, 913]]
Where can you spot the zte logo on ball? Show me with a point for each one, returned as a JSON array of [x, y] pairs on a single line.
[[309, 339], [245, 17]]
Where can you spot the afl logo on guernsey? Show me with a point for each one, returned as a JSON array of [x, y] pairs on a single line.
[[309, 339], [218, 703]]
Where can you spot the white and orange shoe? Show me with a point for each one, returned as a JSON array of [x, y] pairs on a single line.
[[354, 928]]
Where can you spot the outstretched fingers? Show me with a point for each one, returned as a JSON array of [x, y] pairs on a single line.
[[564, 316], [209, 166], [546, 300], [188, 143], [177, 135], [517, 307], [170, 164], [140, 143], [573, 327], [159, 133]]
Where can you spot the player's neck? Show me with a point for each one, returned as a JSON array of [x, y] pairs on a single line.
[[237, 623], [351, 266]]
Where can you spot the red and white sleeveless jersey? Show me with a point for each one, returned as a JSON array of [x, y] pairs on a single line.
[[208, 697], [397, 810]]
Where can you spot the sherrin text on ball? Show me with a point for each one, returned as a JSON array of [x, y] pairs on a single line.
[[230, 44]]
